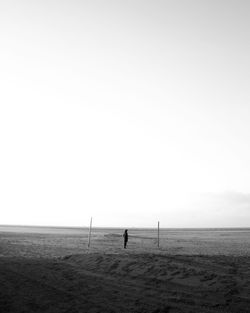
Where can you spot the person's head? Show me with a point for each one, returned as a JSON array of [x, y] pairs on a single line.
[[126, 230]]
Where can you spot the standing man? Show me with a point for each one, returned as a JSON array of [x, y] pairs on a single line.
[[125, 237]]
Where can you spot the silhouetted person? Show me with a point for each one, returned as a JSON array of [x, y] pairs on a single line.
[[125, 237]]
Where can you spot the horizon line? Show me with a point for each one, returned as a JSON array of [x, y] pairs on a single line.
[[121, 227]]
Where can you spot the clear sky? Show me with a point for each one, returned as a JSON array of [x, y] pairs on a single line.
[[127, 111]]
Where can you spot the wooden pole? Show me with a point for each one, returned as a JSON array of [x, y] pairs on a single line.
[[158, 241], [90, 226]]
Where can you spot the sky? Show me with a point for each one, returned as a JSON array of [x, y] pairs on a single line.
[[127, 111]]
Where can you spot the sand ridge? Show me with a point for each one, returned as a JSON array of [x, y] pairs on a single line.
[[94, 282]]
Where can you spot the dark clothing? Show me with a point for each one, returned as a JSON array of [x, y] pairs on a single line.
[[125, 236]]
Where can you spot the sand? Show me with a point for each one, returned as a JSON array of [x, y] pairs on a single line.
[[53, 271]]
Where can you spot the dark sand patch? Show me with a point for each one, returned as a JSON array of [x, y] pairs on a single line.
[[125, 283]]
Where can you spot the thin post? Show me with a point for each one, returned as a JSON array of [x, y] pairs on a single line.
[[158, 241], [90, 227]]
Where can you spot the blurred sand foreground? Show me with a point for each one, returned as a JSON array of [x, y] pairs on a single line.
[[51, 270]]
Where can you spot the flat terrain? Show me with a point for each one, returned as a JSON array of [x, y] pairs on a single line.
[[52, 270]]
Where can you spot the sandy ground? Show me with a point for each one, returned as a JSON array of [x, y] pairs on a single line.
[[54, 272]]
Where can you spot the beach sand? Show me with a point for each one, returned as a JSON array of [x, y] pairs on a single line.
[[53, 271]]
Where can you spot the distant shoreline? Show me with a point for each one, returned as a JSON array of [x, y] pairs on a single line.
[[9, 226]]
